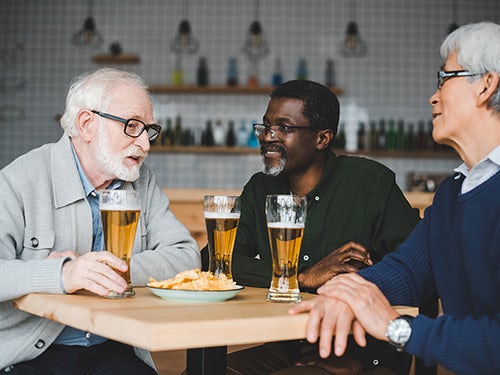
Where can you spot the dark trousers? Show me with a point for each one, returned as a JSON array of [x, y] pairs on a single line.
[[108, 358]]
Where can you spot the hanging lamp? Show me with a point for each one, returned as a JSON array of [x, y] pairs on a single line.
[[184, 41], [353, 44], [255, 46], [88, 36]]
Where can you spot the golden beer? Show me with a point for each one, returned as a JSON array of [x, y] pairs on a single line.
[[221, 233], [120, 215], [285, 240], [286, 217]]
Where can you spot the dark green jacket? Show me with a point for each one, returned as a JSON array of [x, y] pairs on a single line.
[[357, 199]]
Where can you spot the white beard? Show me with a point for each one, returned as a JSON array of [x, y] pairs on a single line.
[[273, 170], [112, 164]]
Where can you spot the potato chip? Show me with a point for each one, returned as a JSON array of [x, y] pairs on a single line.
[[194, 279]]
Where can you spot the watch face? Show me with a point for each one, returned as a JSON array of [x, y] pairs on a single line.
[[399, 331]]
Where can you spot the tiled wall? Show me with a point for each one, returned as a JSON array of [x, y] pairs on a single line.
[[394, 80]]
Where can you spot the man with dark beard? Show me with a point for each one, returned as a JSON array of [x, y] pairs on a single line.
[[356, 215], [51, 237]]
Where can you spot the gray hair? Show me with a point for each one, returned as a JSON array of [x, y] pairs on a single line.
[[91, 90], [478, 50]]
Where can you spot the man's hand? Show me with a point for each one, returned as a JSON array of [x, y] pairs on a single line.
[[94, 271], [369, 305], [350, 257], [329, 317]]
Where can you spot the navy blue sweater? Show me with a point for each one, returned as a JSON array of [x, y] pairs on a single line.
[[453, 253]]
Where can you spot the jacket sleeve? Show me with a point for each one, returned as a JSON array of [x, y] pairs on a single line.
[[167, 247]]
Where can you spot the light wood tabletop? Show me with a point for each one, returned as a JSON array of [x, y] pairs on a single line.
[[152, 323]]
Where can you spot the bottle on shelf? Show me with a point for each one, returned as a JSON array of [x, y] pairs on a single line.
[[207, 137], [231, 135], [253, 142], [177, 138], [421, 136], [253, 73], [340, 139], [381, 136], [361, 137], [232, 72], [219, 136], [391, 138], [202, 72], [242, 137], [167, 137], [177, 74], [329, 73], [373, 136], [302, 72], [400, 136], [277, 78]]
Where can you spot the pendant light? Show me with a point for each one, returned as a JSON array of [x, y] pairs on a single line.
[[88, 36], [353, 44], [184, 41], [453, 25], [255, 46]]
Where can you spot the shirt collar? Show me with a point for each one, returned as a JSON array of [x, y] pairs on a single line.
[[493, 156], [88, 188]]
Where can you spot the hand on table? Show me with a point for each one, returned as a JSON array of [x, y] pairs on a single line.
[[93, 271], [346, 302], [350, 257]]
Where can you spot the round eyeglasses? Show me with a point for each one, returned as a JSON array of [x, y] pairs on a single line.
[[133, 127]]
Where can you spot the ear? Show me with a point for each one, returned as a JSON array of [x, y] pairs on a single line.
[[324, 138], [86, 124], [488, 86]]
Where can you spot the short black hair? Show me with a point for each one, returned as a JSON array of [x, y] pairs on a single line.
[[321, 105]]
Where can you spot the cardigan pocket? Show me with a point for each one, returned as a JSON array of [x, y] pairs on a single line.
[[37, 245]]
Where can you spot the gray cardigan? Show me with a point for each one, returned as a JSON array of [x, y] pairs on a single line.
[[43, 209]]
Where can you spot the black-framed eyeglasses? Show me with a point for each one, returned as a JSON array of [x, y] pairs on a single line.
[[443, 75], [277, 130], [133, 127]]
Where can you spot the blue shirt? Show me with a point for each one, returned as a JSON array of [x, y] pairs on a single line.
[[481, 172], [70, 335]]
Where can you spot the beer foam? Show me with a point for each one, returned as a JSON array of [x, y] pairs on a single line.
[[221, 215], [118, 207], [286, 225]]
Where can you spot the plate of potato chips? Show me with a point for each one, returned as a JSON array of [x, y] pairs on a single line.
[[195, 286]]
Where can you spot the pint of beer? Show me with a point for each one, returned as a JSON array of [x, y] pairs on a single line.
[[222, 215], [120, 211], [286, 215]]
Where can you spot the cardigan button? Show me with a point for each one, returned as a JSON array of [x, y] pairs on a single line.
[[375, 362], [305, 257], [34, 242], [40, 344]]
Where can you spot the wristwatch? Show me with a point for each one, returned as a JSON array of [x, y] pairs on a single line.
[[399, 331]]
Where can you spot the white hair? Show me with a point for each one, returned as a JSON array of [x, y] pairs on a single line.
[[91, 90], [477, 46]]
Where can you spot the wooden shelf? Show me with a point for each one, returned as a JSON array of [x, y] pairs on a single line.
[[123, 58], [254, 151], [227, 90]]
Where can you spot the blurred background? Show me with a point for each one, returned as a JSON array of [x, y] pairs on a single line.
[[380, 56]]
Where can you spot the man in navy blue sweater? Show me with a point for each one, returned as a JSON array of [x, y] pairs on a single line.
[[454, 253]]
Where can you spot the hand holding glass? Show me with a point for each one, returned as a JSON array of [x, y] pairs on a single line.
[[286, 217], [120, 211], [222, 215]]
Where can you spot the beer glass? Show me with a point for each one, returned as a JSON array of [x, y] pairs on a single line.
[[120, 212], [222, 215], [286, 217]]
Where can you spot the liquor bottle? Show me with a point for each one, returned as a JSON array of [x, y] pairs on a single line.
[[329, 73], [219, 135], [167, 137], [421, 136], [373, 144], [202, 72], [208, 135], [253, 142], [339, 140], [231, 135], [400, 136], [361, 137], [177, 139], [242, 137], [277, 75], [382, 136], [391, 136], [302, 69], [232, 72]]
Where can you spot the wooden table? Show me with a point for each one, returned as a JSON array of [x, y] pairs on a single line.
[[149, 322]]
